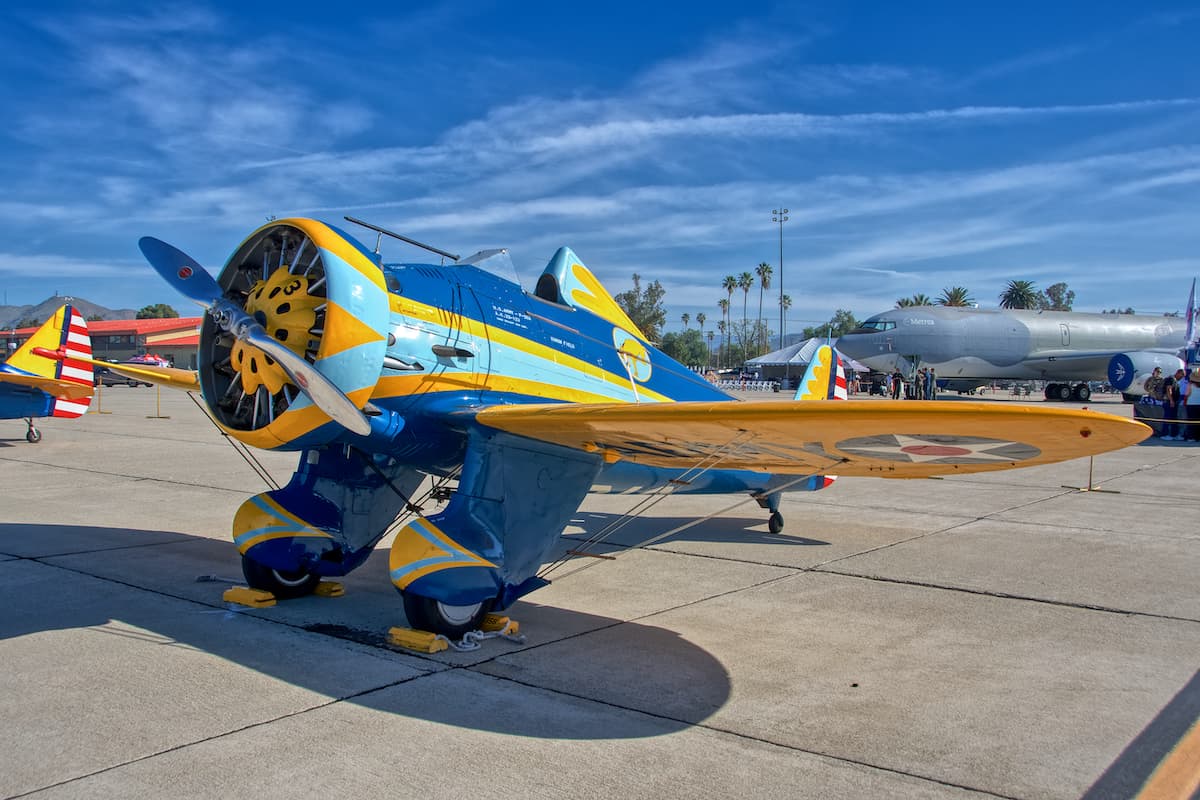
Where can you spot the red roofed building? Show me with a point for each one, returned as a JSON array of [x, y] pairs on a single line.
[[122, 339]]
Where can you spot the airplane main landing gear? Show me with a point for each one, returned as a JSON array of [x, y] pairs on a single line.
[[284, 584], [775, 522], [1064, 391], [428, 614], [33, 435]]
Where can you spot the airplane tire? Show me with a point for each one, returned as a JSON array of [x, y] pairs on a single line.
[[283, 584], [427, 614], [33, 436], [775, 523], [1064, 391], [1051, 391], [1082, 393]]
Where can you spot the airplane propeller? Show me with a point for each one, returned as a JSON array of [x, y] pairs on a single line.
[[194, 282]]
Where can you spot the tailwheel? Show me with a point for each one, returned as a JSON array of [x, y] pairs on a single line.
[[775, 522], [427, 614], [284, 584]]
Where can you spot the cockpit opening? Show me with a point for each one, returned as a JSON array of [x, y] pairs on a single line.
[[874, 326]]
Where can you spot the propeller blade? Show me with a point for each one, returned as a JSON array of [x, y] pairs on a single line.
[[181, 271], [193, 281], [322, 391]]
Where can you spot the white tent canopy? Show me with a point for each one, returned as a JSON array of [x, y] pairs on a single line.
[[799, 356]]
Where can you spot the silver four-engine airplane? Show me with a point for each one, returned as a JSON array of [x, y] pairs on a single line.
[[969, 347]]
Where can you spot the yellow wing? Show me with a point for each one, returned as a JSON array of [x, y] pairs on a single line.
[[51, 386], [186, 379], [913, 439]]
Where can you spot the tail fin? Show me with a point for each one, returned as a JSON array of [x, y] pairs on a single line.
[[566, 280], [65, 330], [825, 378]]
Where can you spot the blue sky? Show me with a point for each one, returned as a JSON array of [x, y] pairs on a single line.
[[917, 145]]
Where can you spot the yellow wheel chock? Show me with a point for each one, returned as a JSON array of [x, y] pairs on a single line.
[[420, 641], [329, 589], [251, 598]]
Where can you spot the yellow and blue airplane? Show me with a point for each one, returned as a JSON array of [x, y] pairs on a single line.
[[32, 387], [384, 374]]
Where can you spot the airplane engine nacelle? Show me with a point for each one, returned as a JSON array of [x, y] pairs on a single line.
[[320, 293], [1127, 372]]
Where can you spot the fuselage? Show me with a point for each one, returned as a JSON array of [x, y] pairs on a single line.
[[481, 340], [975, 344]]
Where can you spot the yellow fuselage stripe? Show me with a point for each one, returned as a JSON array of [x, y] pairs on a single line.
[[419, 311]]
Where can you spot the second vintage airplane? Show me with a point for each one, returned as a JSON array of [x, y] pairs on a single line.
[[384, 374]]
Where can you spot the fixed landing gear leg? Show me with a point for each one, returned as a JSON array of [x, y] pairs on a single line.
[[33, 435], [771, 503]]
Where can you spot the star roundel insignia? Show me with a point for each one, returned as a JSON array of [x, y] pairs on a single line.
[[937, 449]]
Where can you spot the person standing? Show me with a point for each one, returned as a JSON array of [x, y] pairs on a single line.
[[930, 385], [1192, 405], [1170, 401], [897, 381]]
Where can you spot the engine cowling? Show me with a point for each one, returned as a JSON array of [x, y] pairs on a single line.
[[1127, 372], [320, 293]]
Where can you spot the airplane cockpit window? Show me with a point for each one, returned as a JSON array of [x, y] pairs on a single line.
[[875, 326]]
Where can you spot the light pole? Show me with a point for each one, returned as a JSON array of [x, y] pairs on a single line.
[[780, 216]]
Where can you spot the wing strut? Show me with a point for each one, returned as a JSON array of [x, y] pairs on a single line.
[[629, 516]]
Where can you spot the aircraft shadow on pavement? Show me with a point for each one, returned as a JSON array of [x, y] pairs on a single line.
[[747, 531], [65, 577]]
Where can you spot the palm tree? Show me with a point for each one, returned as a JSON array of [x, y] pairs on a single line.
[[764, 282], [710, 338], [701, 318], [956, 296], [722, 327], [723, 324], [1020, 294], [785, 302], [745, 281], [686, 319], [921, 300]]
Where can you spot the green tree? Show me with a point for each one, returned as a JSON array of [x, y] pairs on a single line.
[[722, 326], [711, 336], [686, 317], [1057, 297], [745, 281], [157, 311], [96, 318], [785, 303], [842, 322], [1020, 294], [644, 307], [1126, 310], [956, 296], [28, 322], [915, 300], [763, 271], [701, 318], [687, 347]]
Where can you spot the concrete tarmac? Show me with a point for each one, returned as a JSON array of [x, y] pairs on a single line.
[[997, 635]]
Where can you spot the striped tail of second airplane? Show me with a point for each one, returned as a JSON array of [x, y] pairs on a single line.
[[32, 386]]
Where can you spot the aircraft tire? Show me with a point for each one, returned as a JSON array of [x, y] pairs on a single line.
[[1064, 391], [427, 614], [281, 583], [1051, 391], [1082, 393], [33, 436], [775, 523]]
